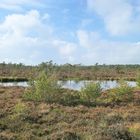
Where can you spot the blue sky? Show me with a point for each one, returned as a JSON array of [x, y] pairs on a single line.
[[70, 31]]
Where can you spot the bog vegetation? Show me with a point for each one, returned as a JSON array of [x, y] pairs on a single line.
[[46, 111], [46, 88], [67, 71]]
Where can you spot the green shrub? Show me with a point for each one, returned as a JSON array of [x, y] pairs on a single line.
[[44, 87], [123, 92], [138, 81], [70, 98], [47, 87], [90, 92], [30, 95]]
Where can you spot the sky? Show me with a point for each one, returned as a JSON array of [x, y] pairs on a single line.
[[70, 31]]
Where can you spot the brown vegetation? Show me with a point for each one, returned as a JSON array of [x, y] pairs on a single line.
[[30, 120], [68, 71]]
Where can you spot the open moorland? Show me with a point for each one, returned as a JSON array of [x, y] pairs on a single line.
[[46, 111]]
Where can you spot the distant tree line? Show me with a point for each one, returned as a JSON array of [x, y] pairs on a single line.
[[71, 71]]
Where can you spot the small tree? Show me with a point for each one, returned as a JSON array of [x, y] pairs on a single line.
[[123, 92], [90, 92], [44, 87]]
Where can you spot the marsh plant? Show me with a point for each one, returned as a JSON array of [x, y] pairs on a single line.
[[123, 92], [44, 87], [138, 81], [91, 91]]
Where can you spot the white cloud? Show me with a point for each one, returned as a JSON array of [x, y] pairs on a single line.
[[22, 30], [87, 39], [17, 5], [29, 38], [66, 49], [109, 52], [26, 38], [18, 23], [120, 16]]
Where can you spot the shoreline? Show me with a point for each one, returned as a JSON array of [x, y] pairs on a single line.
[[23, 79]]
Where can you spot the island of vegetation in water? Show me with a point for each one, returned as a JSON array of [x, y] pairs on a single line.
[[46, 111]]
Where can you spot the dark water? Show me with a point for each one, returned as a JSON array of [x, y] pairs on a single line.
[[75, 85], [6, 84]]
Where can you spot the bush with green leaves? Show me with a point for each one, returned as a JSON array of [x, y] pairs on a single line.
[[90, 92], [123, 92], [44, 87], [138, 81], [71, 98]]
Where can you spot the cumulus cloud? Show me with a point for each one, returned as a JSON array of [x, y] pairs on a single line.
[[26, 38], [87, 39], [120, 16], [30, 37], [18, 23], [66, 49], [105, 51]]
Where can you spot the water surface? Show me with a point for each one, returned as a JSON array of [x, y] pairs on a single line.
[[75, 85], [104, 84]]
